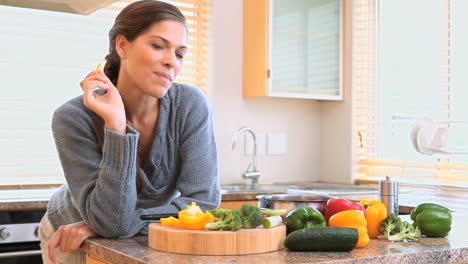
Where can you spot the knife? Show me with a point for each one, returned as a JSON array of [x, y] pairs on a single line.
[[156, 217]]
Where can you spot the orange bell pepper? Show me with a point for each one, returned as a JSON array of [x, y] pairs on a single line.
[[193, 217], [375, 213], [353, 219], [171, 222]]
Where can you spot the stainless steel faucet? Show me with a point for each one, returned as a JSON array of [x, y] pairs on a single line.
[[251, 172]]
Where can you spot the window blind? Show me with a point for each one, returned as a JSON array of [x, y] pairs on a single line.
[[44, 57], [419, 65], [364, 126], [305, 47]]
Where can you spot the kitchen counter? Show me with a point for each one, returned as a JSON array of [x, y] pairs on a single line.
[[453, 248], [37, 198], [25, 199]]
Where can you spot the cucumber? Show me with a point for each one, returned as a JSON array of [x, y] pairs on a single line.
[[322, 238]]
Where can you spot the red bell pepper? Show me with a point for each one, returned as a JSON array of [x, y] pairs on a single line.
[[337, 205]]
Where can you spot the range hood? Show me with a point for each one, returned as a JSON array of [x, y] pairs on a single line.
[[84, 7]]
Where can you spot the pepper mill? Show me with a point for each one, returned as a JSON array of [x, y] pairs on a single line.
[[388, 190]]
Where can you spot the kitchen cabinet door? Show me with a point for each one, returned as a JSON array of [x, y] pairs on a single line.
[[293, 49]]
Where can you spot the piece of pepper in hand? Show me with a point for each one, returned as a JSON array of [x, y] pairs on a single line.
[[335, 205], [375, 213], [300, 218]]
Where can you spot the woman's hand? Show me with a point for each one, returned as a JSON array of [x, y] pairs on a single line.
[[69, 238], [109, 106]]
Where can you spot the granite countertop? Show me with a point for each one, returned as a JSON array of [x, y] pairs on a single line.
[[453, 248], [25, 199]]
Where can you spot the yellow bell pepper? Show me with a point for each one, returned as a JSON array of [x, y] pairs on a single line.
[[193, 217], [353, 219], [171, 222], [375, 213]]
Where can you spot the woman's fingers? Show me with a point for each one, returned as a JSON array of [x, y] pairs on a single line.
[[65, 237], [77, 234], [91, 84], [107, 104], [72, 237], [69, 238], [101, 76], [53, 244], [77, 240], [104, 78]]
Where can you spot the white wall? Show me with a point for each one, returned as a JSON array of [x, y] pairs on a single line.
[[318, 138], [336, 164], [298, 119]]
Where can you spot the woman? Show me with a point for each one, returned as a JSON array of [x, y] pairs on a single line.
[[145, 147]]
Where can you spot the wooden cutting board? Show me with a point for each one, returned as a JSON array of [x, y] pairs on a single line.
[[205, 242]]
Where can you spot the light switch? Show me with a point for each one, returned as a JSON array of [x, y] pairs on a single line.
[[248, 144], [277, 144]]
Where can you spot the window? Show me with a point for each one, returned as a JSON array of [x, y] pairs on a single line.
[[45, 55], [416, 70]]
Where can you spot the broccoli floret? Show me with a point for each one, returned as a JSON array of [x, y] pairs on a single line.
[[225, 219], [396, 230], [406, 232], [250, 215], [389, 224]]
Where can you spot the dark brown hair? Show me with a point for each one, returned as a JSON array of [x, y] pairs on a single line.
[[132, 21]]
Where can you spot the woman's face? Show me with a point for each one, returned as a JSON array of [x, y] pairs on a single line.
[[155, 57]]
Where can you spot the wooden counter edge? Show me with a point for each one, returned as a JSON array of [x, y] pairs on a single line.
[[93, 260]]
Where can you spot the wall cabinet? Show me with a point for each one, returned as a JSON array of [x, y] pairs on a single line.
[[293, 48]]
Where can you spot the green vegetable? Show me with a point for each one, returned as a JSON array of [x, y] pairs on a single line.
[[323, 238], [273, 211], [272, 221], [225, 219], [300, 218], [396, 230], [434, 222], [432, 219], [250, 215], [418, 209]]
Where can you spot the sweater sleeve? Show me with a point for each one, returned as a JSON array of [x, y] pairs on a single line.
[[101, 183]]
